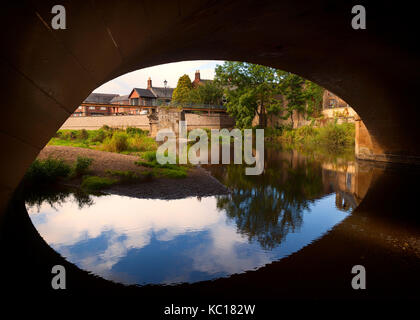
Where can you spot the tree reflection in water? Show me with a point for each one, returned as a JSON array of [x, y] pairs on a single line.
[[56, 195], [267, 207]]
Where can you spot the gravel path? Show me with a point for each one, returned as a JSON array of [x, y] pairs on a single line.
[[198, 183]]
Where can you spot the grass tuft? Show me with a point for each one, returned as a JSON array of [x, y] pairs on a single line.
[[95, 183], [131, 176], [81, 166]]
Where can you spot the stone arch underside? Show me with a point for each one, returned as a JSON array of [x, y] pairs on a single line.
[[47, 73]]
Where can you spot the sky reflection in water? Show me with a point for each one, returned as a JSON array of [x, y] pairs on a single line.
[[139, 241]]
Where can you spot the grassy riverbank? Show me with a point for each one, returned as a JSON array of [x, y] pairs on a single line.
[[332, 138], [94, 170], [50, 171], [91, 171], [129, 141], [62, 166]]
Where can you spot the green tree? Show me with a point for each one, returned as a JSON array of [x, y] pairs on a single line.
[[302, 96], [250, 91], [183, 89], [314, 95], [291, 88], [208, 93], [258, 90]]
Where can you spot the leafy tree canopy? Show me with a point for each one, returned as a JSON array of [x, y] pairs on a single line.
[[183, 89], [208, 93], [253, 89], [250, 89]]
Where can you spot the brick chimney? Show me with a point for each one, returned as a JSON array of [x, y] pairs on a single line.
[[149, 83], [197, 76]]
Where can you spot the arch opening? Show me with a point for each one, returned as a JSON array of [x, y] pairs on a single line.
[[338, 184], [51, 73]]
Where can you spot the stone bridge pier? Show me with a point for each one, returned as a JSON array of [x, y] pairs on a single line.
[[369, 145]]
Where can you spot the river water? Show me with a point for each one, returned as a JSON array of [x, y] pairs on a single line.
[[297, 200]]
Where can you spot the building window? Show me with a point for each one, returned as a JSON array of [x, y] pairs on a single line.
[[135, 101], [103, 108], [91, 108]]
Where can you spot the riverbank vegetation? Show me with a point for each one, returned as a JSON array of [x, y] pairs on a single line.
[[52, 171], [43, 172], [48, 171], [332, 135], [162, 170], [129, 141], [329, 141]]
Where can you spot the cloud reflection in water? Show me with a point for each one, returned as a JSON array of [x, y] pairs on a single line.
[[166, 241]]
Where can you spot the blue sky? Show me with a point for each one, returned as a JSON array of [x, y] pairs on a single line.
[[170, 72]]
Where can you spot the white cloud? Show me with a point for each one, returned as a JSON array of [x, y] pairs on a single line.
[[169, 72]]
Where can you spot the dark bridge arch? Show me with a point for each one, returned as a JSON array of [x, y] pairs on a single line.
[[47, 73]]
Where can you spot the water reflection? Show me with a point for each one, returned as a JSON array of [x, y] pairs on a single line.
[[265, 218], [267, 207], [57, 196]]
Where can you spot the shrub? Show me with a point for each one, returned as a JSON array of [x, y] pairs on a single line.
[[335, 136], [134, 131], [81, 166], [95, 183], [141, 143], [105, 127], [98, 135], [331, 136], [69, 135], [117, 143], [149, 156], [82, 134], [46, 171]]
